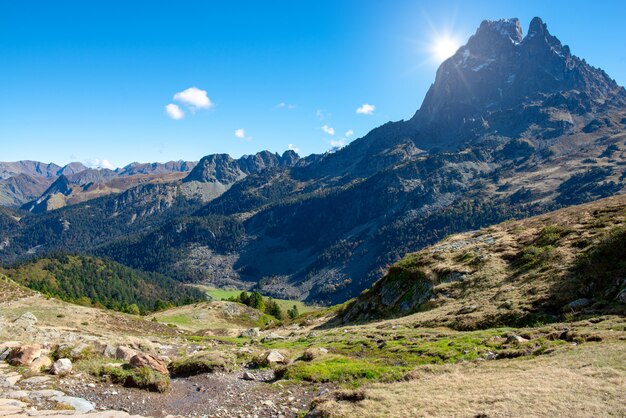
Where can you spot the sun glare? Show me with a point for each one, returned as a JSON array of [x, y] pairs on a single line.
[[444, 47]]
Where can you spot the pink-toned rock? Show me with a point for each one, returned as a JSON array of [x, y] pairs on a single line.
[[41, 363], [150, 361], [24, 355]]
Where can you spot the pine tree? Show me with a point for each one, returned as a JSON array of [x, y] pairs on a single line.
[[293, 312]]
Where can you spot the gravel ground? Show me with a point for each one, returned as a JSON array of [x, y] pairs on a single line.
[[206, 395]]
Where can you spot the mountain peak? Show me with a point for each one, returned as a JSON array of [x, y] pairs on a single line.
[[537, 27], [499, 70], [509, 29]]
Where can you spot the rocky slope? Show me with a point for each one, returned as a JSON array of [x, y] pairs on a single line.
[[539, 269]]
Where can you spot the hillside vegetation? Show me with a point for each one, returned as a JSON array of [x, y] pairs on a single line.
[[92, 281], [543, 269]]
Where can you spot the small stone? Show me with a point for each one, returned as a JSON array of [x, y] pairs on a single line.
[[61, 367], [248, 376]]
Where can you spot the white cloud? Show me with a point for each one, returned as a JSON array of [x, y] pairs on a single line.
[[98, 163], [174, 112], [366, 109], [338, 143], [283, 105], [328, 130], [293, 148], [240, 133], [349, 133], [194, 98]]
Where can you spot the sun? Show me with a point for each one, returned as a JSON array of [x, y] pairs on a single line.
[[444, 47]]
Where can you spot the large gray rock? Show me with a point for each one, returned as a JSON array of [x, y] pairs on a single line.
[[124, 353], [251, 333], [61, 367], [80, 351], [79, 404], [577, 304], [272, 337]]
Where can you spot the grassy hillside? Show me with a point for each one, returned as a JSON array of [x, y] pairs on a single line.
[[536, 270], [93, 281], [285, 304]]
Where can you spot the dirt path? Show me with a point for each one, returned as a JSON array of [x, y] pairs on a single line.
[[211, 395]]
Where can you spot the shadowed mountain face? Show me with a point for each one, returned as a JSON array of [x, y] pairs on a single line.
[[513, 126]]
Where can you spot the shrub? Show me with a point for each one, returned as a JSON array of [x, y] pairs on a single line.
[[204, 362], [141, 378]]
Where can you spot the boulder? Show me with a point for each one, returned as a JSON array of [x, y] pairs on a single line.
[[41, 363], [577, 305], [515, 339], [109, 351], [251, 333], [124, 353], [61, 367], [273, 357], [248, 376], [79, 404], [150, 361], [81, 351], [6, 347], [24, 355], [273, 336]]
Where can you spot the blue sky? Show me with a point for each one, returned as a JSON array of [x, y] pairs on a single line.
[[89, 80]]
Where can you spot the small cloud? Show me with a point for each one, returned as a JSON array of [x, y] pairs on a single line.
[[366, 109], [349, 133], [321, 114], [283, 105], [174, 112], [338, 143], [241, 134], [328, 130], [293, 148], [99, 164], [194, 98]]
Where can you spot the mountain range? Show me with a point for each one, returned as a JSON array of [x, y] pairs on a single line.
[[512, 126]]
